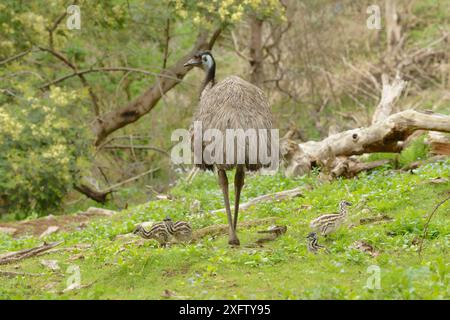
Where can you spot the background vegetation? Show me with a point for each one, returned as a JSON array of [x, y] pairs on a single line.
[[310, 52], [321, 68]]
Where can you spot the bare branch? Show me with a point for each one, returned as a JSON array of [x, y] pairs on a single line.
[[425, 229], [83, 80], [143, 104], [145, 147], [107, 69]]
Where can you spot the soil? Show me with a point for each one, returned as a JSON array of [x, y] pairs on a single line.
[[36, 227]]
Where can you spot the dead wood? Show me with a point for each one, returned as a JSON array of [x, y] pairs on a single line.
[[351, 167], [439, 143], [274, 232], [427, 223], [77, 247], [387, 133], [287, 194], [18, 273], [416, 164], [222, 229], [100, 195], [375, 219], [89, 192], [15, 256]]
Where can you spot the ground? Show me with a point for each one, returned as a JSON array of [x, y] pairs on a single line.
[[114, 266]]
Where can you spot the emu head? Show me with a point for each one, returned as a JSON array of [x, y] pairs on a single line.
[[343, 206], [311, 236], [138, 229], [202, 59], [345, 203]]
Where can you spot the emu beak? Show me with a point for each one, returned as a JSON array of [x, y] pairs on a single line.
[[192, 63]]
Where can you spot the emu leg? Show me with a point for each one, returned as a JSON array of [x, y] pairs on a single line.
[[238, 184], [223, 181]]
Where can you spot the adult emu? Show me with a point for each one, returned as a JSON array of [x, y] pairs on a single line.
[[232, 103]]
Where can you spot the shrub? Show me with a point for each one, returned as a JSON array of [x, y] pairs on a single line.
[[41, 150]]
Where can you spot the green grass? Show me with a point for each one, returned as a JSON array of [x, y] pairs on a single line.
[[283, 269]]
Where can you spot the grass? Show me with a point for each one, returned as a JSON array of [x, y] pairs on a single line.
[[283, 269]]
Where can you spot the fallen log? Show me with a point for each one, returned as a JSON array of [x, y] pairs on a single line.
[[11, 257], [222, 229], [350, 167], [18, 274], [286, 194], [416, 164], [379, 218], [387, 133], [439, 143]]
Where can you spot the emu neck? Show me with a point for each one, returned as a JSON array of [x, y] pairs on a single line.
[[210, 77], [343, 211]]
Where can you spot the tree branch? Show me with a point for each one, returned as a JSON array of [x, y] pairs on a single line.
[[17, 56], [114, 120], [105, 69], [83, 80]]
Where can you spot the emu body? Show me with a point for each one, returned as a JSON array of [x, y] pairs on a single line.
[[232, 103], [328, 223]]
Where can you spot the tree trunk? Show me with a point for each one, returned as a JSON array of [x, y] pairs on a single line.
[[256, 54], [393, 27]]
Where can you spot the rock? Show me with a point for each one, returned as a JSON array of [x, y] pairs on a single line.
[[73, 286], [51, 264], [7, 230], [93, 211], [163, 197], [50, 230]]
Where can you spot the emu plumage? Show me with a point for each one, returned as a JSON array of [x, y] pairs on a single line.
[[232, 103]]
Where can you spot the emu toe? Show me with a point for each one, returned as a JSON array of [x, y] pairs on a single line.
[[234, 242]]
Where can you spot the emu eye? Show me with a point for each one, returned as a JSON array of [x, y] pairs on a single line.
[[204, 59]]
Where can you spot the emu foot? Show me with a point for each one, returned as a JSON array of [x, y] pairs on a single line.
[[234, 242]]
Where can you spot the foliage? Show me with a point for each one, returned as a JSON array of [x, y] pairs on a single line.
[[41, 152]]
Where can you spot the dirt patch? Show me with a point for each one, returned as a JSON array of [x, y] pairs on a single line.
[[37, 226]]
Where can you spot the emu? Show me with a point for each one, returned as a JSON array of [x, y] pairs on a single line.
[[232, 103], [329, 223]]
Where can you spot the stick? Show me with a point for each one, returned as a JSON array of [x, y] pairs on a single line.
[[123, 146], [115, 186], [267, 197], [26, 253], [15, 274], [425, 229], [192, 174], [223, 228]]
